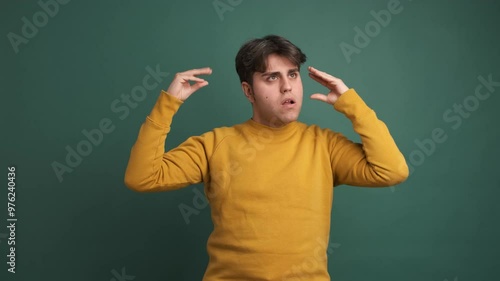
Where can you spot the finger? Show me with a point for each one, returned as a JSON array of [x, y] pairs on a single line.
[[319, 80], [319, 97], [322, 74], [319, 72], [199, 85], [192, 78], [199, 71]]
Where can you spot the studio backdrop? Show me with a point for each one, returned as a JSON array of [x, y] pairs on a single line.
[[74, 97]]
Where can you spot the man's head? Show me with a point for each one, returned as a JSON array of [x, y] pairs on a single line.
[[268, 68]]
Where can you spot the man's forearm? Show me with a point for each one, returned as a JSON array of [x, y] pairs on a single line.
[[147, 152], [378, 162]]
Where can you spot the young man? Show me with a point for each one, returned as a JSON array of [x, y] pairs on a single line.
[[269, 180]]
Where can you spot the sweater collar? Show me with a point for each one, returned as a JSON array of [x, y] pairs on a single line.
[[272, 132]]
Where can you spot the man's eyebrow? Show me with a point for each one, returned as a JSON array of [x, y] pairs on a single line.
[[270, 73], [296, 69]]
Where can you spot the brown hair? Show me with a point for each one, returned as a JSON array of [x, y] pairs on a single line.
[[252, 56]]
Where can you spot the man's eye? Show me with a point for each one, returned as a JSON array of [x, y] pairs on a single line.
[[272, 77], [294, 75]]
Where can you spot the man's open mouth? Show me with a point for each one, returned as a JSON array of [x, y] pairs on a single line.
[[288, 101]]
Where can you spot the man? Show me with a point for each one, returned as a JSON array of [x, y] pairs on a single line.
[[269, 180]]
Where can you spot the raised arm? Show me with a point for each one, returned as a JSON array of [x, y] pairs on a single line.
[[149, 167], [376, 161]]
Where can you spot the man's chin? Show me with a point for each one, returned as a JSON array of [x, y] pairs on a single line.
[[290, 119], [283, 120]]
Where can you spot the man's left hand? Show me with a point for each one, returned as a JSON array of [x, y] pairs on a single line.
[[334, 84]]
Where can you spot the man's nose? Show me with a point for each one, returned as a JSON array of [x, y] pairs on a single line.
[[286, 86]]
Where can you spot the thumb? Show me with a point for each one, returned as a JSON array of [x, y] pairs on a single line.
[[319, 97], [195, 87]]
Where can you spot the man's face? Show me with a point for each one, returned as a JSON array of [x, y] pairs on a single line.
[[276, 94]]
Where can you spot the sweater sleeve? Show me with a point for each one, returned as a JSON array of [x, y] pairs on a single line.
[[150, 168], [375, 162]]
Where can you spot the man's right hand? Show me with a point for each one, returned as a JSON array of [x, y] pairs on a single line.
[[180, 86]]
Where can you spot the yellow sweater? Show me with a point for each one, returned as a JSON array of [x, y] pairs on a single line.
[[270, 189]]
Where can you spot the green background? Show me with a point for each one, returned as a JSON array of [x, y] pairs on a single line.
[[442, 223]]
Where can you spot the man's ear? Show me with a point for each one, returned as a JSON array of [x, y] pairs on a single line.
[[247, 90]]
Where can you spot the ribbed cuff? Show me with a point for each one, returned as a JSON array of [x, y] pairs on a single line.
[[351, 105], [165, 108]]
